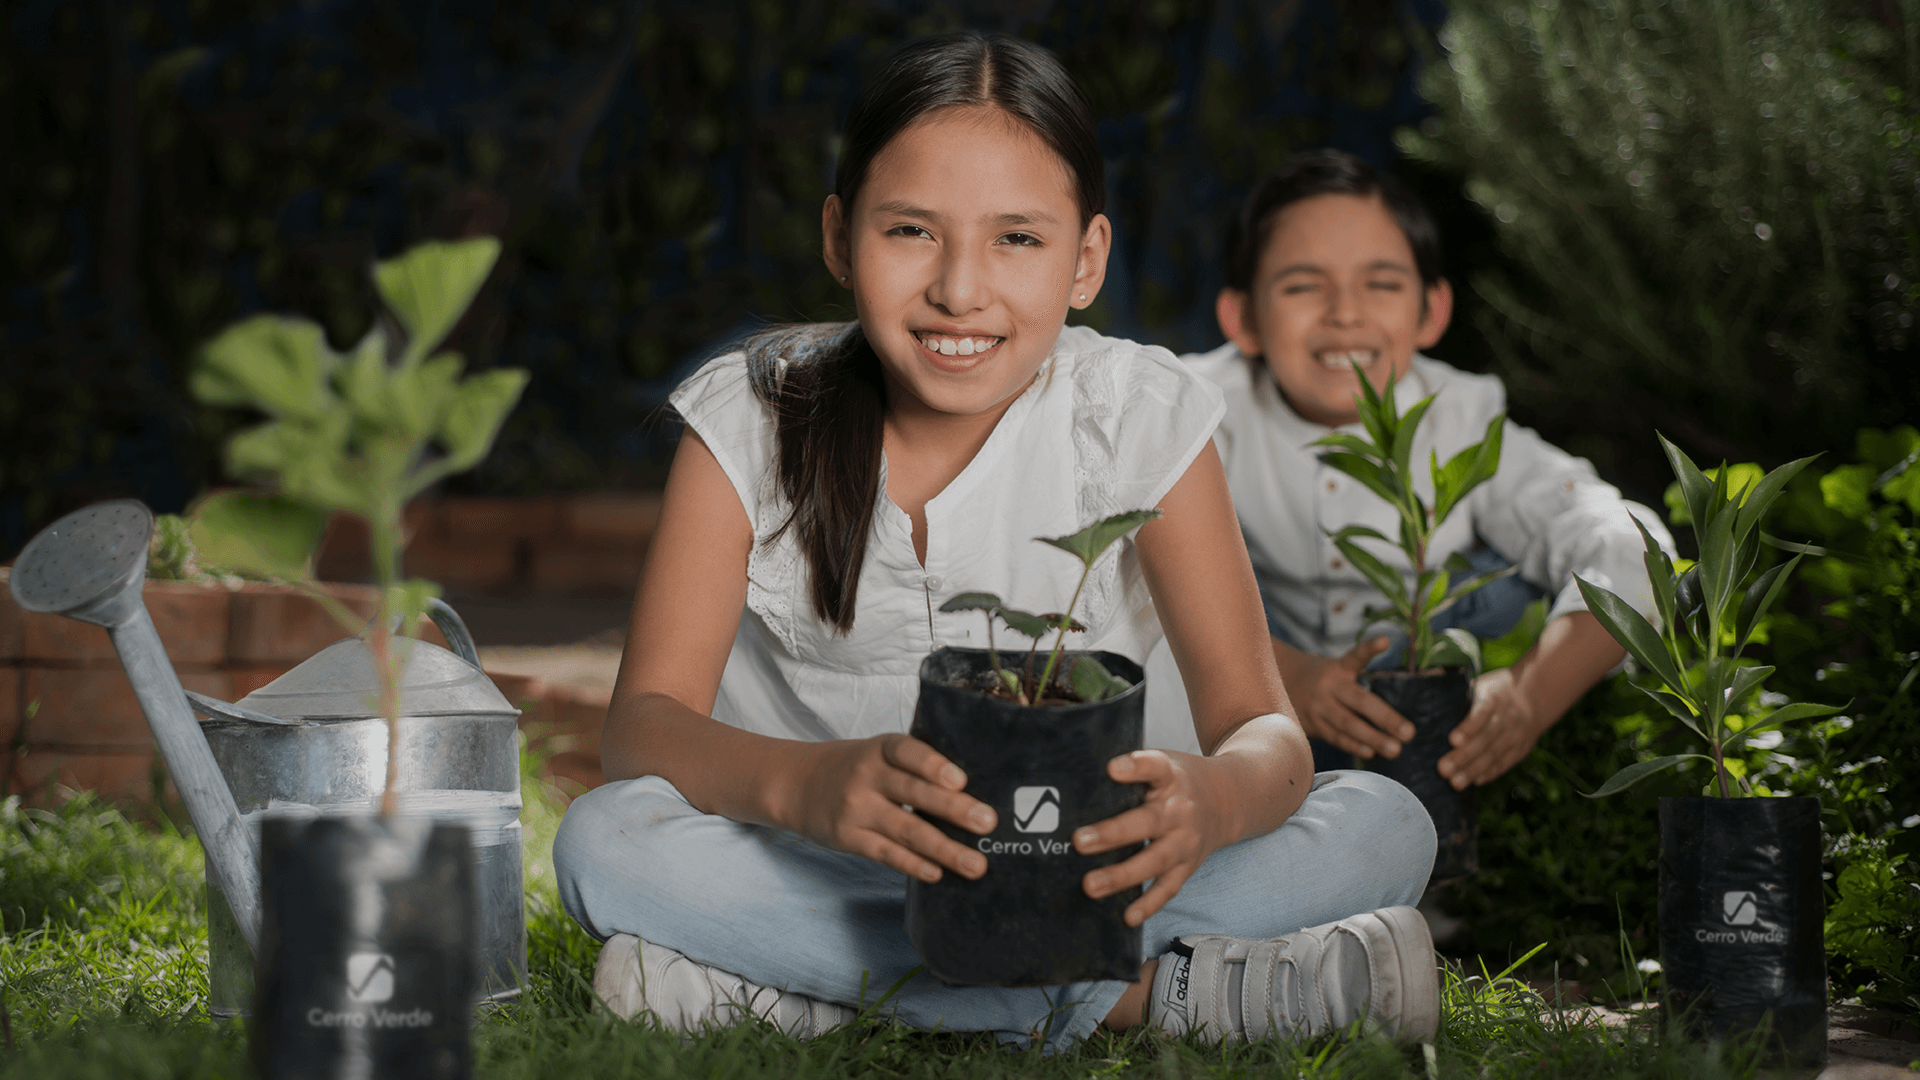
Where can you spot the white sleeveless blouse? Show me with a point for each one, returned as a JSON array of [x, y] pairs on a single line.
[[1108, 426]]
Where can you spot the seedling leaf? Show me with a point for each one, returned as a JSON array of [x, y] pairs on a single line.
[[1090, 542], [430, 286], [1640, 770], [1093, 682], [972, 601], [270, 536], [1632, 631]]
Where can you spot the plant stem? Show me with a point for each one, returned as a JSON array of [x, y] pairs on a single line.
[[1060, 637], [386, 567]]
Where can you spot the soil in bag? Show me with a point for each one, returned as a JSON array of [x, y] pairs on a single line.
[[1028, 921], [1742, 942], [1435, 704], [366, 965]]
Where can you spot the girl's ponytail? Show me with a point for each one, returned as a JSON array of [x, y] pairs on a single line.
[[823, 383]]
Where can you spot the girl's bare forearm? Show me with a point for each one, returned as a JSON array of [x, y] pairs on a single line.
[[719, 768], [1259, 776]]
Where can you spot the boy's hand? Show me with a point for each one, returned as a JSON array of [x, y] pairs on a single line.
[[1173, 816], [854, 795], [1498, 732], [1334, 707]]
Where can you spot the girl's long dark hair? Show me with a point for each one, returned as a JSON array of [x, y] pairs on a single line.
[[823, 381]]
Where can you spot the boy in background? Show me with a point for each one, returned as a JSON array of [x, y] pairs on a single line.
[[1332, 264]]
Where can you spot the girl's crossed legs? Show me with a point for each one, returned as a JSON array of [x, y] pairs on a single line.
[[635, 857]]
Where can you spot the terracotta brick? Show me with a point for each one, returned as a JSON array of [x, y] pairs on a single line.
[[93, 709], [245, 680], [471, 562], [582, 568], [612, 518], [423, 518], [58, 638], [191, 619], [500, 519], [10, 705], [40, 776], [344, 553], [525, 691], [12, 628], [278, 625]]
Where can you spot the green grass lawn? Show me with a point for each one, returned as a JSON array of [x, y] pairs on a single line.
[[103, 972]]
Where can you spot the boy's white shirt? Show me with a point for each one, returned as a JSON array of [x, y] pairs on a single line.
[[1545, 510]]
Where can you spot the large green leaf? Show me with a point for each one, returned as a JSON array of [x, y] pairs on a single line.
[[1384, 577], [1401, 453], [1632, 631], [1679, 708], [1785, 714], [475, 414], [1376, 478], [1659, 575], [1466, 470], [276, 364], [1089, 542], [421, 394], [269, 536], [1695, 489], [1744, 680], [1640, 770], [1454, 647], [1758, 598], [1341, 440], [1091, 680], [1762, 495], [972, 601], [429, 287], [1466, 586], [1026, 623], [1718, 565]]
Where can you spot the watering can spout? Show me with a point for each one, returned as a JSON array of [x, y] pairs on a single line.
[[90, 565]]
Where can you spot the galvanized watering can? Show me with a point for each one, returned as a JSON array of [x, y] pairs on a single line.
[[310, 743]]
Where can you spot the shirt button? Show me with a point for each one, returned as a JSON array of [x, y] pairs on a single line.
[[1338, 563], [1332, 486], [934, 583], [1339, 606]]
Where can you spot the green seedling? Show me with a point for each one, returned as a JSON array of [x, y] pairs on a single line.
[[362, 432], [1088, 678], [1383, 462], [1708, 614]]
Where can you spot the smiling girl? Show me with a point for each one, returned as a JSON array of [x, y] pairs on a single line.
[[834, 485]]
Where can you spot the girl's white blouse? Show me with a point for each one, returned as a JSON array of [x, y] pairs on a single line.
[[1109, 425]]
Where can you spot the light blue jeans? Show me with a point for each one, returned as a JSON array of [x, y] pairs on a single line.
[[635, 857]]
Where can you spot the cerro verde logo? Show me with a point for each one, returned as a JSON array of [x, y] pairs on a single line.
[[369, 978], [1036, 809], [1740, 908]]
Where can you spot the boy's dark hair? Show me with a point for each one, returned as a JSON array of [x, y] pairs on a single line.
[[823, 381], [1327, 172]]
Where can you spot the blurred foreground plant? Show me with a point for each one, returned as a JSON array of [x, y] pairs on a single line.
[[362, 432]]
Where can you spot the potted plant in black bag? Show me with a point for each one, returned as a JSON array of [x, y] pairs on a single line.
[[1741, 908], [1034, 736], [1435, 689], [366, 963]]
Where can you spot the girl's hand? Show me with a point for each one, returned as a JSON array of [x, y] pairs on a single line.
[[851, 798], [1335, 708], [1181, 829]]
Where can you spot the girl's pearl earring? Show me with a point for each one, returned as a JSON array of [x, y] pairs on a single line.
[[1083, 296], [843, 277]]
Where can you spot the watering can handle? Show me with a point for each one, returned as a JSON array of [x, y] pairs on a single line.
[[454, 630]]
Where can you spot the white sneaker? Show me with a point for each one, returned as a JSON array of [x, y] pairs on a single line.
[[687, 996], [1377, 969]]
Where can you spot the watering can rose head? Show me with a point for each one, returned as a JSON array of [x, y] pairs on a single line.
[[362, 431], [1383, 462], [1087, 679], [1708, 613]]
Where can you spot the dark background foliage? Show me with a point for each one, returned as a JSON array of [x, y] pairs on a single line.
[[654, 168]]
